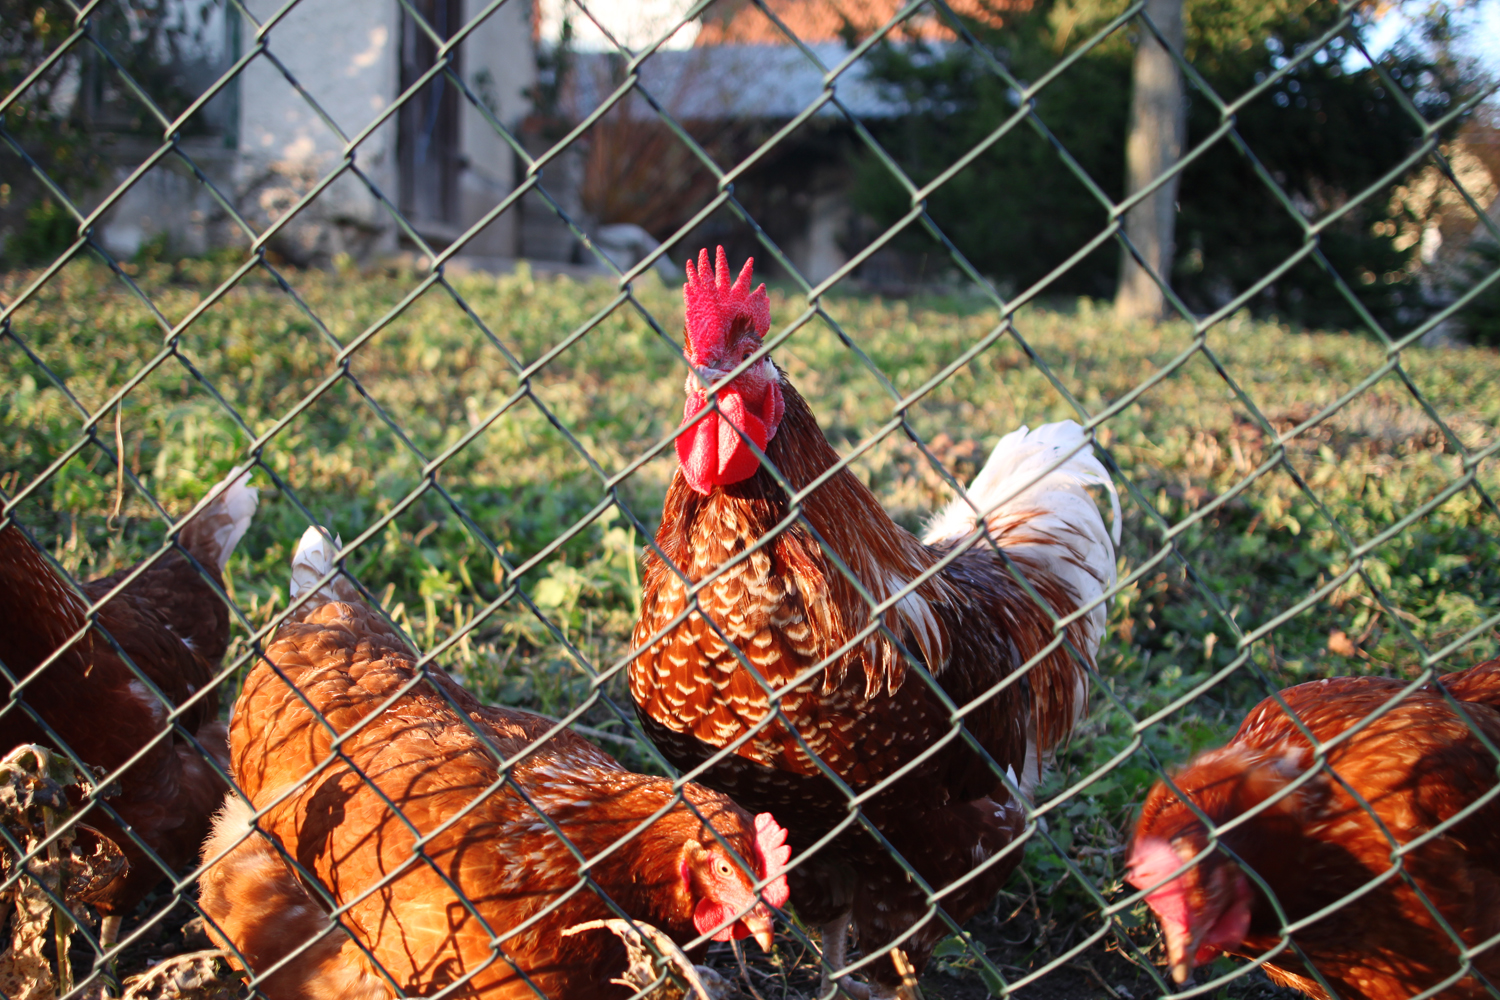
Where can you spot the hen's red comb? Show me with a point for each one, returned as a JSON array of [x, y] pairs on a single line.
[[713, 304], [771, 849]]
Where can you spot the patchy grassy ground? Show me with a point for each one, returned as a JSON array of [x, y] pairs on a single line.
[[436, 374]]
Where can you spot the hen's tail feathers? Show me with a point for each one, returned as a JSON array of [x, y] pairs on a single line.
[[314, 558], [1045, 519], [216, 529], [255, 902]]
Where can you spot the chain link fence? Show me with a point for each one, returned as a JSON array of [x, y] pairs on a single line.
[[505, 477]]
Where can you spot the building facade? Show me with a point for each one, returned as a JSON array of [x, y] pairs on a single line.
[[320, 94]]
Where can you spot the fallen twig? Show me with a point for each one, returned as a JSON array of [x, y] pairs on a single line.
[[1083, 965], [641, 972], [739, 954]]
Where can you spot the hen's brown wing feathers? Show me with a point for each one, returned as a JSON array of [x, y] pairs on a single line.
[[172, 627], [1417, 765], [185, 602], [99, 708], [343, 728]]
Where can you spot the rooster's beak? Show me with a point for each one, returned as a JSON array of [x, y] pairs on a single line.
[[758, 923]]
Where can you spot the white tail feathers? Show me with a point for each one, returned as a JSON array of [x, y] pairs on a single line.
[[314, 558], [212, 535], [1047, 517]]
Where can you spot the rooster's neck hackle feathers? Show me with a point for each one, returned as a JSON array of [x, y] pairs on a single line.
[[713, 304], [883, 556]]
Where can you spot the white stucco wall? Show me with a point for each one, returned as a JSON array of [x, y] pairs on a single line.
[[498, 65], [344, 54], [168, 201]]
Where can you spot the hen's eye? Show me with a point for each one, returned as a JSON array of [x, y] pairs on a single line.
[[724, 869]]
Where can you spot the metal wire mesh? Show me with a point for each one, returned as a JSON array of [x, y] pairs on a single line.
[[1162, 538]]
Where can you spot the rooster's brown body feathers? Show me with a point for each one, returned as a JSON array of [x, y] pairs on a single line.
[[769, 594]]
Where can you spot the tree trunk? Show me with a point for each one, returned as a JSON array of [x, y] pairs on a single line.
[[1158, 124]]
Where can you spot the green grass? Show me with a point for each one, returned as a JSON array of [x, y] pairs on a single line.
[[618, 391]]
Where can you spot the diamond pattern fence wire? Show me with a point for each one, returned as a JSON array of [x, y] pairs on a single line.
[[526, 593]]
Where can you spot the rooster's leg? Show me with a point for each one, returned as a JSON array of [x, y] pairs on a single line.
[[109, 931], [835, 952]]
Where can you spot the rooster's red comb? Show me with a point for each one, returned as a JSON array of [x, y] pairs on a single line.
[[772, 851], [713, 304]]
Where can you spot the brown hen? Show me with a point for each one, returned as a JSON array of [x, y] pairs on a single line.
[[1417, 766], [743, 600], [174, 627], [417, 755]]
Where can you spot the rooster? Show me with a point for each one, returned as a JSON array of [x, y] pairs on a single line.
[[174, 627], [740, 602], [1418, 765], [351, 751]]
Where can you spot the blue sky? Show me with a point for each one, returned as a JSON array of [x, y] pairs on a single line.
[[1482, 41]]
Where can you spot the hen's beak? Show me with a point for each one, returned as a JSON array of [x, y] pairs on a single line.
[[1182, 946], [758, 922]]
